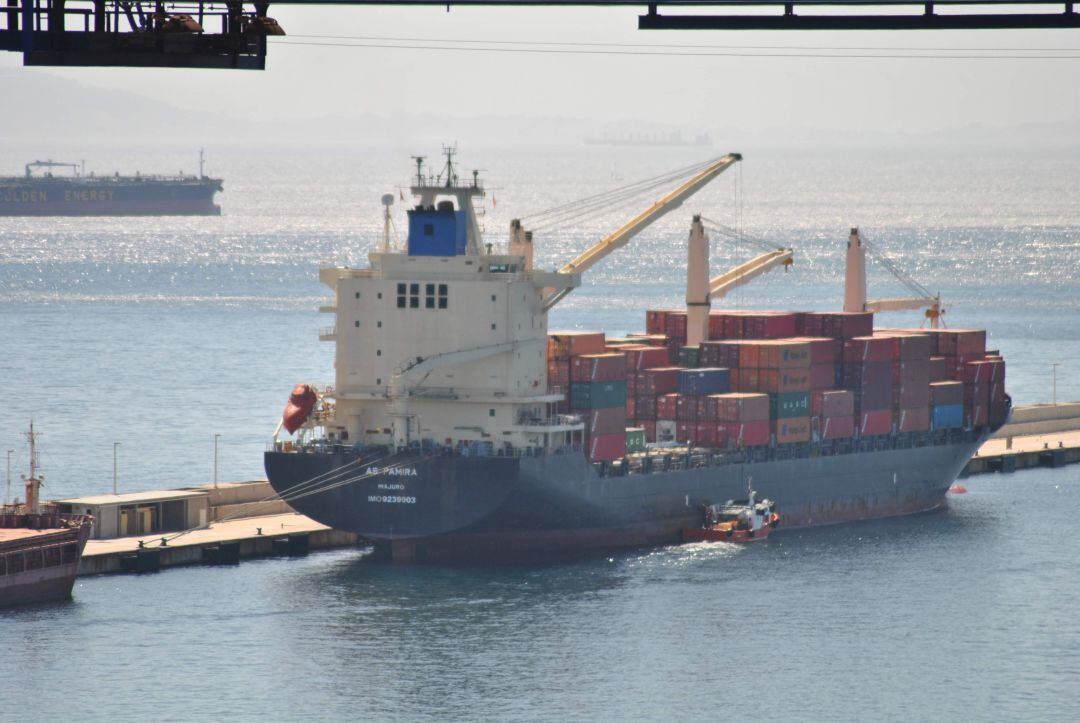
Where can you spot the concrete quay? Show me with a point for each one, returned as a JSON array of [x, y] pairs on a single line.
[[1039, 435], [221, 543]]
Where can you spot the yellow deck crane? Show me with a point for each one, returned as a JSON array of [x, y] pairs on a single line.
[[855, 286]]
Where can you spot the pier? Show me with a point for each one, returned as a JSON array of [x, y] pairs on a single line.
[[1038, 435]]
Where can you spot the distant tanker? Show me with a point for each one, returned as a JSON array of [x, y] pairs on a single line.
[[116, 195]]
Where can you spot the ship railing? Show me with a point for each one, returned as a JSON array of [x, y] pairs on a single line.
[[559, 420]]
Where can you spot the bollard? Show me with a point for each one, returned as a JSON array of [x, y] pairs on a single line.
[[1008, 442]]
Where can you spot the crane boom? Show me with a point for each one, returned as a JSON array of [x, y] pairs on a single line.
[[619, 238], [719, 286]]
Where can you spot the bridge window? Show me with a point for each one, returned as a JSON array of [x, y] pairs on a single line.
[[401, 296], [414, 296], [429, 296], [443, 296]]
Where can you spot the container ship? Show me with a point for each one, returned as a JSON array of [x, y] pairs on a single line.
[[38, 193], [461, 429], [40, 548]]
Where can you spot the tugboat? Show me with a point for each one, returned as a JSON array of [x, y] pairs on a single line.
[[736, 521], [40, 548]]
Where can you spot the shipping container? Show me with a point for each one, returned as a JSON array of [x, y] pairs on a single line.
[[747, 434], [667, 406], [666, 430], [784, 354], [604, 421], [650, 430], [823, 350], [875, 422], [686, 408], [862, 349], [656, 320], [793, 380], [558, 372], [635, 439], [910, 372], [566, 344], [977, 415], [741, 407], [947, 416], [823, 376], [597, 367], [912, 420], [997, 392], [976, 394], [792, 430], [768, 325], [606, 447], [749, 354], [937, 369], [675, 326], [869, 374], [832, 403], [688, 356], [911, 396], [640, 358], [946, 393], [958, 342], [645, 407], [839, 324], [789, 405], [660, 380], [597, 395], [833, 427], [701, 382], [910, 347], [685, 432], [873, 398], [984, 371]]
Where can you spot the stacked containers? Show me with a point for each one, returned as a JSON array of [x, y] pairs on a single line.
[[742, 419], [784, 374], [946, 404], [832, 413], [562, 347], [602, 405], [911, 381], [868, 373]]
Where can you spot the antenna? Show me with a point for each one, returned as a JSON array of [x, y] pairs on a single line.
[[33, 482], [201, 161], [419, 169], [387, 202], [451, 176]]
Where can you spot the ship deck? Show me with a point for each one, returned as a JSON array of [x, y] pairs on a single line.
[[11, 534]]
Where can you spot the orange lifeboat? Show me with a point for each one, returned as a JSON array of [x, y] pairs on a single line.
[[298, 409]]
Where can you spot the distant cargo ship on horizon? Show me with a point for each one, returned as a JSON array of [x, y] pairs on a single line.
[[661, 139], [79, 194]]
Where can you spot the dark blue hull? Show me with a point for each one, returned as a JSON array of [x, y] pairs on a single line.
[[446, 508]]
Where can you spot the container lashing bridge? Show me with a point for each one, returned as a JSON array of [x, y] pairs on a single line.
[[232, 34]]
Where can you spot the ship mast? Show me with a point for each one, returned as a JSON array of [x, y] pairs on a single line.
[[33, 482]]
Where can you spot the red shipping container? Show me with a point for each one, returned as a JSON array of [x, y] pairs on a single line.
[[937, 369], [911, 396], [604, 421], [606, 447], [707, 409], [912, 420], [645, 407], [733, 326], [558, 373], [977, 415], [873, 398], [749, 354], [768, 380], [768, 325], [943, 393], [840, 324], [749, 380], [976, 394], [686, 408], [656, 320], [566, 344], [667, 406], [793, 430], [958, 342], [862, 349], [646, 357], [822, 376], [706, 433], [823, 350], [910, 372], [740, 407], [675, 325], [660, 380], [832, 403], [631, 407], [685, 432], [748, 434], [650, 429], [598, 367], [834, 427], [997, 393], [875, 422], [631, 385], [869, 374], [910, 347]]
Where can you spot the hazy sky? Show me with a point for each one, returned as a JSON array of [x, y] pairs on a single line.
[[755, 94]]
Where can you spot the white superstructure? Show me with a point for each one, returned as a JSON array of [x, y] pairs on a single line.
[[446, 340]]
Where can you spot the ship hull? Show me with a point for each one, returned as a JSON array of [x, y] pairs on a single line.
[[496, 508], [32, 573], [59, 197]]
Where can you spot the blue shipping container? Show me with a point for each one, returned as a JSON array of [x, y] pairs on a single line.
[[703, 382], [948, 416]]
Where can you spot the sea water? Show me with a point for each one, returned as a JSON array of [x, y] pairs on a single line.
[[160, 333]]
